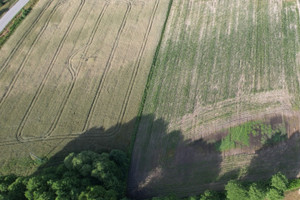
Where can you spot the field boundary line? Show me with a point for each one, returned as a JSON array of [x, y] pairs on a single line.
[[137, 66], [131, 185], [149, 79], [36, 96]]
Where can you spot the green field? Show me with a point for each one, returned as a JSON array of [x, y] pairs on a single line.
[[220, 64]]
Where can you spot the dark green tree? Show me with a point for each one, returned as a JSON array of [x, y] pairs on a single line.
[[279, 182], [86, 175], [235, 191], [17, 189], [274, 194], [255, 192]]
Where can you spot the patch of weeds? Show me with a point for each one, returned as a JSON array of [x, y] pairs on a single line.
[[275, 138], [239, 136]]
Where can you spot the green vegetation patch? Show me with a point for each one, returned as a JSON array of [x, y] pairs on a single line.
[[239, 136]]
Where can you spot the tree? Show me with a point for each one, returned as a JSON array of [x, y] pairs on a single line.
[[210, 195], [235, 191], [120, 158], [274, 194], [17, 189], [255, 192], [279, 181], [5, 181], [86, 176]]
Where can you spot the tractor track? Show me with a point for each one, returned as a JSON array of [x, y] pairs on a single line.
[[37, 94], [20, 69], [74, 74], [24, 36]]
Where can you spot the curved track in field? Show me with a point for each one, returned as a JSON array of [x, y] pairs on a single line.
[[74, 74], [49, 69]]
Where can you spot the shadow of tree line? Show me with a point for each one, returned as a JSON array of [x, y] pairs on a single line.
[[165, 162]]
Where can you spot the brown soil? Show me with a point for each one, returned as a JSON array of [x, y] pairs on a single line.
[[292, 195]]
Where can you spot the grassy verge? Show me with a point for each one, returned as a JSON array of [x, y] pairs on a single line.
[[5, 6], [16, 21]]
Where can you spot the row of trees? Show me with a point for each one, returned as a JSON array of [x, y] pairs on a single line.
[[235, 190], [273, 190], [84, 176]]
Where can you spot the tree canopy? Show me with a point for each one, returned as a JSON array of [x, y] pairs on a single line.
[[84, 176]]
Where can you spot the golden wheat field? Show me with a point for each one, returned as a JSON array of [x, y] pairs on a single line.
[[72, 68]]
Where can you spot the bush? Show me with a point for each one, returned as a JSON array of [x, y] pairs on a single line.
[[294, 184], [279, 182]]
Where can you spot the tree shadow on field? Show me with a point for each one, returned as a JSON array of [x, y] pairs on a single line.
[[97, 139], [283, 156], [167, 162], [164, 162]]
